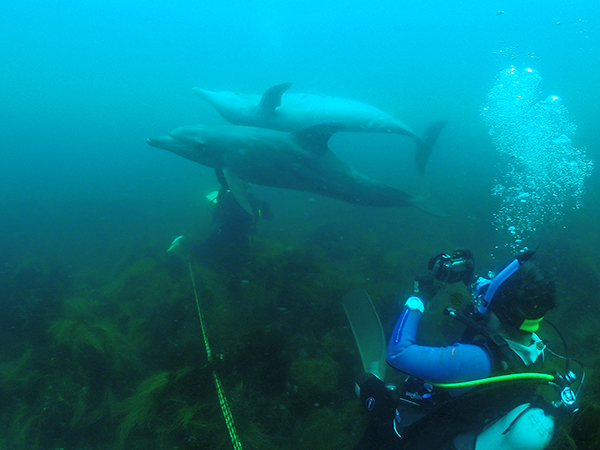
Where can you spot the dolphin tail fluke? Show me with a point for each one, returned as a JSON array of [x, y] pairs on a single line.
[[425, 202], [427, 205], [425, 145]]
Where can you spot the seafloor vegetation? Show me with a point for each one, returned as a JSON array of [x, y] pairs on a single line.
[[90, 361]]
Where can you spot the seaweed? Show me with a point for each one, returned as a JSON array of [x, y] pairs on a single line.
[[161, 406], [585, 431], [92, 360]]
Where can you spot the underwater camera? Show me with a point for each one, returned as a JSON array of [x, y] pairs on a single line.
[[452, 268]]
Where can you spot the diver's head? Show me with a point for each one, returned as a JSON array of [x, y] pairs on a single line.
[[522, 300]]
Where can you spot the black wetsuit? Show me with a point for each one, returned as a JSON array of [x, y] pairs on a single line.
[[229, 239]]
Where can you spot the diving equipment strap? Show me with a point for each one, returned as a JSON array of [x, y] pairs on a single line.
[[528, 353]]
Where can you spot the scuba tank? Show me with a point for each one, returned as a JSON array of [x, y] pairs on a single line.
[[523, 428], [527, 426]]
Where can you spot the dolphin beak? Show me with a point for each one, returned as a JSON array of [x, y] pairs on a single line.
[[166, 143], [202, 93], [191, 136]]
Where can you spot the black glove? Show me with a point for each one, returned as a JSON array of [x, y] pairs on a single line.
[[425, 286]]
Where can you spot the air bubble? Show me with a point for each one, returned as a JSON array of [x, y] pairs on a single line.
[[544, 172]]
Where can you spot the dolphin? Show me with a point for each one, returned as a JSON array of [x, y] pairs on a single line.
[[293, 112], [300, 161]]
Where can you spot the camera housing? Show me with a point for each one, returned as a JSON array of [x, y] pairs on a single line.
[[452, 268]]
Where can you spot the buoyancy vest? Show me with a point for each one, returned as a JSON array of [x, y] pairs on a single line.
[[504, 358], [472, 410]]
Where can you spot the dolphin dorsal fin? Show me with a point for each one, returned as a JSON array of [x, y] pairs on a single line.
[[315, 138], [271, 99]]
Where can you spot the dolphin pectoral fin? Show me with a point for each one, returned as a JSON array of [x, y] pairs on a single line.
[[315, 138], [271, 99], [239, 189], [426, 143]]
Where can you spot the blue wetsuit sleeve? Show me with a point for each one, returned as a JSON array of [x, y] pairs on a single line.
[[457, 362]]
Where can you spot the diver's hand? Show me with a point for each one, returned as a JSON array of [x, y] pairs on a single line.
[[425, 286]]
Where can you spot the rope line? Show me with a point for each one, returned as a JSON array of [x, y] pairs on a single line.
[[235, 440]]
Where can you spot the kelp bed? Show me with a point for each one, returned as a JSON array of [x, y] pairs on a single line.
[[118, 362]]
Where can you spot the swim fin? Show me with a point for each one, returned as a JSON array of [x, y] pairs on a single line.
[[367, 331]]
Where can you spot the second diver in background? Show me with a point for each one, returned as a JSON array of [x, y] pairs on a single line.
[[232, 225]]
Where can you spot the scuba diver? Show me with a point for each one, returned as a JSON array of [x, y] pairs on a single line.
[[484, 392], [232, 225]]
